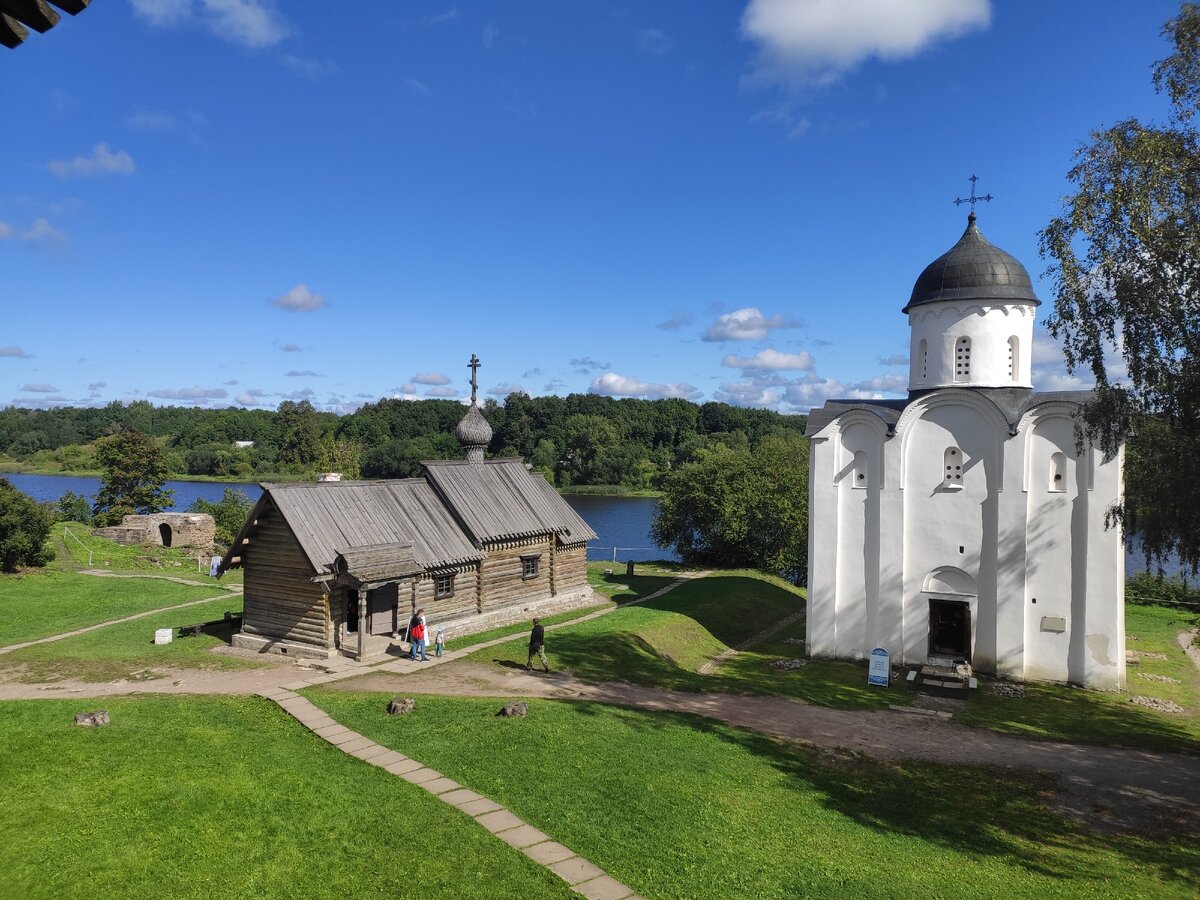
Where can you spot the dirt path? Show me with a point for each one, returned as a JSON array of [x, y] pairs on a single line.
[[1102, 786]]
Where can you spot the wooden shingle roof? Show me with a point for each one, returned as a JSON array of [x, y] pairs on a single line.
[[329, 518], [18, 16], [500, 499]]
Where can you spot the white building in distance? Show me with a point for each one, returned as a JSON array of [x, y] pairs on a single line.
[[962, 524]]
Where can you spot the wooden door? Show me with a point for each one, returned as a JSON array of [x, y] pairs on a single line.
[[381, 610]]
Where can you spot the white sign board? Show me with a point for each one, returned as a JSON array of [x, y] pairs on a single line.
[[880, 671], [214, 567]]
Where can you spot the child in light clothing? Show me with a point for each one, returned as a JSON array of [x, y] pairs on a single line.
[[439, 642]]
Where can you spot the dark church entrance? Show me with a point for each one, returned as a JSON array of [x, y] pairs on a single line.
[[949, 629], [164, 532]]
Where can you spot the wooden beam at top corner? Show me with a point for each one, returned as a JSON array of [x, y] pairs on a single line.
[[37, 14], [74, 7], [12, 32]]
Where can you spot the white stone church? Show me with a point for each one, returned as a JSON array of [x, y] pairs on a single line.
[[961, 524]]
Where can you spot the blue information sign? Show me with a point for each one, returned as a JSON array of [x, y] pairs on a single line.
[[880, 671]]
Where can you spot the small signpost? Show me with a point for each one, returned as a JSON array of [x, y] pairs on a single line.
[[880, 671]]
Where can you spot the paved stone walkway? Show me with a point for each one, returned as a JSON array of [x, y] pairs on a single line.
[[584, 878]]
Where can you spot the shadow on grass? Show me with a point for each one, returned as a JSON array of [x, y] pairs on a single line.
[[969, 809], [1051, 712], [623, 588]]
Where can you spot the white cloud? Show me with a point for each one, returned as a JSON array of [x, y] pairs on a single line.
[[677, 321], [15, 351], [251, 23], [102, 161], [307, 67], [770, 359], [611, 384], [151, 120], [653, 41], [446, 392], [430, 378], [303, 373], [888, 383], [291, 348], [408, 390], [96, 385], [820, 40], [503, 390], [587, 364], [42, 232], [300, 299], [247, 399], [896, 359], [192, 393], [39, 388], [441, 18], [162, 13], [747, 324], [6, 231], [416, 87]]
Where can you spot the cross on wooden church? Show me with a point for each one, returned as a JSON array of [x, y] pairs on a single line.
[[474, 365], [958, 201]]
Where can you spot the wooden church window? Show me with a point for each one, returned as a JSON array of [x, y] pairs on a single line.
[[953, 475], [443, 587], [962, 359]]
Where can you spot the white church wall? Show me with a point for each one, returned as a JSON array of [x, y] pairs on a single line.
[[989, 329], [821, 608], [857, 479], [1104, 660], [946, 526]]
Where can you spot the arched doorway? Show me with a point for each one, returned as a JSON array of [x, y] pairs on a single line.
[[164, 534], [952, 598]]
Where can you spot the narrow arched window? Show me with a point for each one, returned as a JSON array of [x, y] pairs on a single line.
[[962, 359], [860, 469], [953, 474], [924, 357], [1014, 358], [1058, 472]]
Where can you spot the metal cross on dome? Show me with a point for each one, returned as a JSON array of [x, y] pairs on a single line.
[[987, 198], [473, 365]]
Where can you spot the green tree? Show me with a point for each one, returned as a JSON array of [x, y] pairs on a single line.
[[737, 508], [133, 476], [1125, 260], [73, 507], [229, 513], [300, 443], [24, 527]]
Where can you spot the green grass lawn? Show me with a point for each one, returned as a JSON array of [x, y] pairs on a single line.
[[679, 806], [127, 650], [647, 578], [38, 604], [1057, 712], [225, 797], [664, 642], [78, 548]]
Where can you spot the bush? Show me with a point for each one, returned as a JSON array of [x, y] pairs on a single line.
[[229, 513], [24, 527], [73, 507], [1146, 588]]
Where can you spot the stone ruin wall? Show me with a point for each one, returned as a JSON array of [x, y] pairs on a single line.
[[189, 530]]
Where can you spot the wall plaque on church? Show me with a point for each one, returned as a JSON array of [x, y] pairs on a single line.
[[879, 670]]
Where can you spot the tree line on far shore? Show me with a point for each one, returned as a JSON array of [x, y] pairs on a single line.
[[581, 440]]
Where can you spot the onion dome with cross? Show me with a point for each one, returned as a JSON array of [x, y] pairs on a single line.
[[971, 315], [473, 432]]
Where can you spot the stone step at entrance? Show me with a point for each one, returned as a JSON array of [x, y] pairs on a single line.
[[949, 679]]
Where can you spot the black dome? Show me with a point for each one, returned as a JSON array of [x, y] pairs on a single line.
[[973, 269]]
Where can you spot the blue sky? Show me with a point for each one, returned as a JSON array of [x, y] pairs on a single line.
[[231, 202]]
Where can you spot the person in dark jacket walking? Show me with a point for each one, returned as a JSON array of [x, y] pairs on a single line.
[[537, 644]]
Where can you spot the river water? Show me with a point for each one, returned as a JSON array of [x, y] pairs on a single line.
[[621, 522]]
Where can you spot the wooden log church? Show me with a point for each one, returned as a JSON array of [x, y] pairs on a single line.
[[336, 567]]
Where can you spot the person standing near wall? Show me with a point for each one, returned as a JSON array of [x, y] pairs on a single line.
[[537, 645]]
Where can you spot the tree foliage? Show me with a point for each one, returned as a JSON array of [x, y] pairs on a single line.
[[229, 513], [24, 527], [133, 476], [1125, 260], [734, 507], [73, 507]]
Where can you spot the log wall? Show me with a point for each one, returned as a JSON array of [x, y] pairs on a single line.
[[281, 604], [571, 567], [502, 573]]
